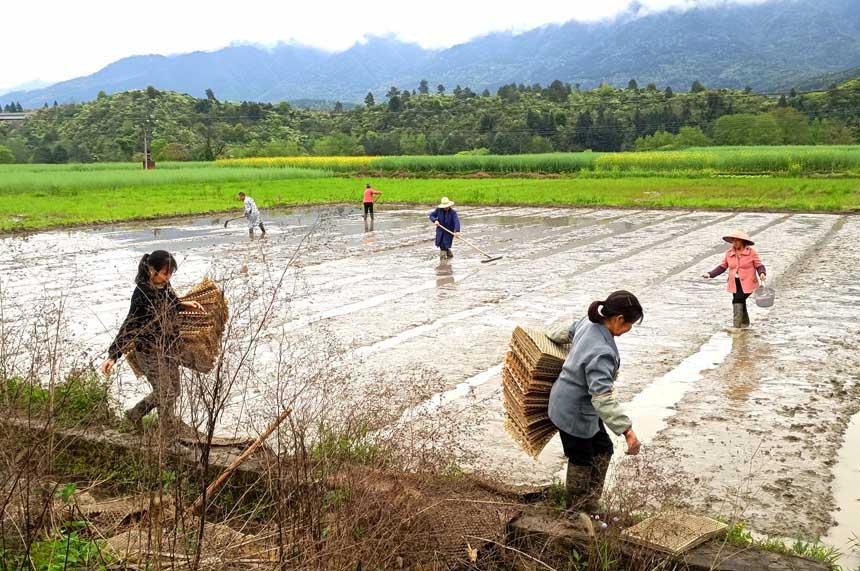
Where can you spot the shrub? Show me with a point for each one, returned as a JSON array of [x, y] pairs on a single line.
[[7, 157], [81, 398]]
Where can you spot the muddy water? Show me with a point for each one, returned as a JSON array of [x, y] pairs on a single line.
[[761, 412], [844, 534]]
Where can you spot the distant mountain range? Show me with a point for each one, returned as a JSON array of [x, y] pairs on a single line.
[[28, 86], [769, 46]]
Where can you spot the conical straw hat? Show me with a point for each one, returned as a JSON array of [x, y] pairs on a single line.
[[740, 235]]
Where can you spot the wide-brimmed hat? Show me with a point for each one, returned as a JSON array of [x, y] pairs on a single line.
[[739, 235], [445, 203]]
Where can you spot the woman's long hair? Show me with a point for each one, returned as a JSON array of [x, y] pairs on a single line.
[[158, 260]]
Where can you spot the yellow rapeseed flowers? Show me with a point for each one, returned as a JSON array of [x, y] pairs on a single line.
[[656, 160]]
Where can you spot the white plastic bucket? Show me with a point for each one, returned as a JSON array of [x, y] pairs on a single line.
[[764, 296]]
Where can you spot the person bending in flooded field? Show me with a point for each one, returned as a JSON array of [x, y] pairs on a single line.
[[445, 218], [151, 329], [744, 265], [252, 213], [582, 402]]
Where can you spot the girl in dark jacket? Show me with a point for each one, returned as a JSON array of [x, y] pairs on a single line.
[[151, 329]]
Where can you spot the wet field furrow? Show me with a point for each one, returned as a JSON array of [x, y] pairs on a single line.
[[763, 422], [505, 287], [384, 306], [409, 323], [93, 267], [458, 351], [768, 423], [679, 319], [398, 284]]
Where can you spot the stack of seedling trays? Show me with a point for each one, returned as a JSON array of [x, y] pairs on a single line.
[[199, 332], [531, 366]]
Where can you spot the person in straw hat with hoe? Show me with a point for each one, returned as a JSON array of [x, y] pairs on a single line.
[[445, 218], [743, 264]]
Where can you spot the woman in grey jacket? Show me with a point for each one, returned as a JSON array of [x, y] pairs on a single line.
[[582, 402]]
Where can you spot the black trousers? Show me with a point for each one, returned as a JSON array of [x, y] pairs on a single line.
[[368, 208], [581, 451], [739, 296]]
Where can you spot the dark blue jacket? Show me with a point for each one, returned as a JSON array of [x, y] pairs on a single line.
[[449, 220]]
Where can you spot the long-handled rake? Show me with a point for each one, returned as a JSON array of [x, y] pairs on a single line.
[[232, 220], [489, 257]]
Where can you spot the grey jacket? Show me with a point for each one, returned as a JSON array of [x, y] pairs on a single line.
[[589, 370]]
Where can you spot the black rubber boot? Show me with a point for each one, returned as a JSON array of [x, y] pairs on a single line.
[[578, 484], [598, 478], [745, 319], [738, 315], [135, 414], [262, 229]]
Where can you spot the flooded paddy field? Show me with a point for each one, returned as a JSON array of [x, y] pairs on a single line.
[[759, 417]]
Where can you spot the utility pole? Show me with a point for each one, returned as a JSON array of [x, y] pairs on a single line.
[[148, 163], [145, 152]]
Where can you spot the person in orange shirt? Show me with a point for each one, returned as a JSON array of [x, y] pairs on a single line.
[[369, 194], [743, 263]]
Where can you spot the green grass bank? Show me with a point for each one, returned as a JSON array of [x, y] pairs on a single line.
[[78, 177], [31, 210]]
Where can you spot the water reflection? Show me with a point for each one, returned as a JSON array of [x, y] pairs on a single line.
[[369, 238], [741, 375], [444, 273]]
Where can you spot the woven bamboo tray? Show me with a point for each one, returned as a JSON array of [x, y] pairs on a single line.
[[673, 532], [199, 332]]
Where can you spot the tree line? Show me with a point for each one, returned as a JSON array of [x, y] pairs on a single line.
[[517, 118]]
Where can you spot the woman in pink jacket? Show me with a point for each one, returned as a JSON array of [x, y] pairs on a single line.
[[743, 263]]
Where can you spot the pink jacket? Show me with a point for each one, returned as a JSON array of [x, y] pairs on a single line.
[[744, 265]]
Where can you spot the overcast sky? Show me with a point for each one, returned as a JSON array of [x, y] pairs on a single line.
[[58, 39]]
